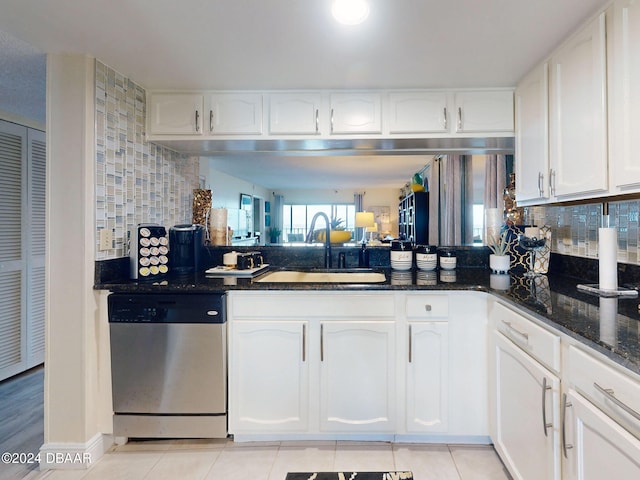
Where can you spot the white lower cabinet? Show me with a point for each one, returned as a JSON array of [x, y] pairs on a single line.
[[427, 389], [527, 408], [357, 365], [357, 376], [594, 446], [272, 370]]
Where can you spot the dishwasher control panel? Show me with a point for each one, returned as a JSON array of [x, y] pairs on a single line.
[[167, 308]]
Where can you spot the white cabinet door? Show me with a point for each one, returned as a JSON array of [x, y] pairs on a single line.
[[234, 114], [427, 397], [527, 409], [356, 113], [294, 113], [532, 135], [357, 376], [175, 113], [484, 111], [595, 447], [578, 127], [270, 387], [418, 112], [624, 67]]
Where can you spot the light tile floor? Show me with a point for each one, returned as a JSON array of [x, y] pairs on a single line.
[[226, 460]]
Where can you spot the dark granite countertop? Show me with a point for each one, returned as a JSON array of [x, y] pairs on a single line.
[[608, 325]]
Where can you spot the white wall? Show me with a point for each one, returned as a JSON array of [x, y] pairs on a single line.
[[77, 391]]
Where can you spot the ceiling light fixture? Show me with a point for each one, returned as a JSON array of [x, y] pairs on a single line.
[[350, 12]]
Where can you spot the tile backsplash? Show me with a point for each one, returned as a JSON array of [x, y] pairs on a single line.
[[575, 228], [136, 181]]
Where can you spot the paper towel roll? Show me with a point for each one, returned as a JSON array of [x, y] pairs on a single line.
[[608, 258], [609, 320]]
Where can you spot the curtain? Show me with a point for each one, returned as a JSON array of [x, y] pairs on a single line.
[[452, 195], [277, 213], [358, 203], [495, 181]]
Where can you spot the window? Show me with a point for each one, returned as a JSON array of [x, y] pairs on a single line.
[[297, 219]]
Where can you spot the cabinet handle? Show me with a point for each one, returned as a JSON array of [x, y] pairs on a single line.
[[522, 334], [446, 120], [321, 342], [565, 405], [197, 121], [459, 119], [552, 182], [427, 307], [332, 120], [211, 120], [317, 120], [610, 394], [545, 425], [304, 342], [410, 349], [541, 183]]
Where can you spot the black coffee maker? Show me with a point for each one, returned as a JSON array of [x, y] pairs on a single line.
[[186, 249]]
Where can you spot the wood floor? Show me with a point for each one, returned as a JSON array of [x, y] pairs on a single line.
[[21, 420]]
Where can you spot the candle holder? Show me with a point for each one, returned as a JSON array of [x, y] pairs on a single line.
[[532, 245]]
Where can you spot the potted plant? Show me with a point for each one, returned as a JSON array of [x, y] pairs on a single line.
[[274, 234], [499, 259]]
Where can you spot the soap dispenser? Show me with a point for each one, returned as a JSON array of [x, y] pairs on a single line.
[[363, 256]]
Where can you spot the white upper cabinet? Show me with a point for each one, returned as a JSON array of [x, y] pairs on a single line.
[[418, 112], [294, 113], [624, 96], [578, 113], [234, 114], [532, 135], [356, 113], [175, 113], [484, 111]]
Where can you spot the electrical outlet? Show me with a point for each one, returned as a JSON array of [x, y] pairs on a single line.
[[106, 239]]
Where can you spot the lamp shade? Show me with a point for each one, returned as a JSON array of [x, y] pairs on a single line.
[[364, 219]]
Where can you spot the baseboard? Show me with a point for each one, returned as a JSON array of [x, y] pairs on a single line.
[[74, 456]]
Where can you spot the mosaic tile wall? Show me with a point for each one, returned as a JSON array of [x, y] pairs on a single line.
[[136, 181], [574, 229]]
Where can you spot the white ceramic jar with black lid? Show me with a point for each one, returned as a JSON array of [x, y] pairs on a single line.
[[401, 255]]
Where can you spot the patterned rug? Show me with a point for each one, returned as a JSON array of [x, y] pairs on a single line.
[[350, 476]]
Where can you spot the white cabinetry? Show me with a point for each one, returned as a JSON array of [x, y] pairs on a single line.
[[356, 113], [624, 96], [427, 363], [329, 374], [270, 361], [525, 397], [418, 112], [578, 126], [601, 420], [234, 113], [294, 113], [532, 135], [175, 113], [484, 111], [357, 376]]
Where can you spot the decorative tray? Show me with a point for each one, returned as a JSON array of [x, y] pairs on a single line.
[[224, 271]]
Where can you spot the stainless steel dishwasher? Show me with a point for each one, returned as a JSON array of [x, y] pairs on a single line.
[[168, 365]]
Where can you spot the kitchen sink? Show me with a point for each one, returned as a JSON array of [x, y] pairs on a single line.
[[322, 276]]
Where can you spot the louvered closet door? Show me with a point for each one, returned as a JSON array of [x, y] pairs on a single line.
[[13, 182], [35, 243]]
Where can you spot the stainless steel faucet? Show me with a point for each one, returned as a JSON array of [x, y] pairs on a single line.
[[327, 237]]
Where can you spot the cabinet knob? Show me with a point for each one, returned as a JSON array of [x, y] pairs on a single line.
[[427, 308]]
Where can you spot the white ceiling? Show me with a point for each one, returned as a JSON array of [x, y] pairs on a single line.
[[280, 44]]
